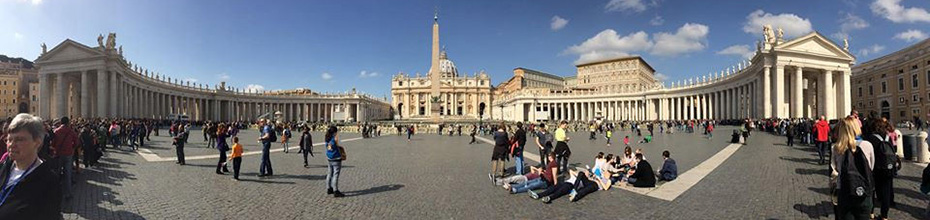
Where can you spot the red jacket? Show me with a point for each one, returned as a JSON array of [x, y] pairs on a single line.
[[64, 142], [822, 129]]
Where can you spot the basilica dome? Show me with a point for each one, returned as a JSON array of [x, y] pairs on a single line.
[[446, 66]]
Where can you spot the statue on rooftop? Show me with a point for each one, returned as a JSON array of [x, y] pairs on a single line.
[[781, 34], [111, 41], [845, 44], [100, 40], [767, 33], [44, 49]]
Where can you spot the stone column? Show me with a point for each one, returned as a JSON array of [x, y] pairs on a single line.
[[45, 96], [766, 92], [114, 95], [844, 101], [62, 105], [85, 96], [102, 87], [780, 92], [826, 94], [797, 101]]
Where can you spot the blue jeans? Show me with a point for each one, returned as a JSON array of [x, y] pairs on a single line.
[[67, 166], [519, 163], [332, 177], [537, 183], [265, 168]]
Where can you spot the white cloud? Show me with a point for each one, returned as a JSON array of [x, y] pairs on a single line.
[[897, 13], [254, 88], [661, 77], [223, 76], [18, 36], [911, 35], [363, 74], [741, 50], [608, 44], [792, 24], [875, 48], [849, 23], [656, 21], [34, 2], [626, 5], [326, 76], [689, 38], [558, 23]]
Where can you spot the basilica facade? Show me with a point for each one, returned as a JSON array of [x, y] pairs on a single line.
[[443, 94]]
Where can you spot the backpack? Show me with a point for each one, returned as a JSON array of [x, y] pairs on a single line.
[[272, 135], [332, 151], [856, 176], [885, 157], [287, 133]]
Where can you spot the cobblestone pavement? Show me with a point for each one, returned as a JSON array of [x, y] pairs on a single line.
[[433, 177]]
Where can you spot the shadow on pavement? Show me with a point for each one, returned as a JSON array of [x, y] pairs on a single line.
[[821, 210], [93, 195], [373, 190]]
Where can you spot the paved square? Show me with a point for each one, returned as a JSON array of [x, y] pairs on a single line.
[[442, 177]]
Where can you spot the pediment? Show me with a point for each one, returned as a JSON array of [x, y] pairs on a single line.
[[69, 50], [816, 44]]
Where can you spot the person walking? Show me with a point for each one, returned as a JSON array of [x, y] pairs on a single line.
[[876, 132], [474, 131], [285, 136], [221, 146], [30, 187], [499, 154], [267, 137], [822, 132], [64, 142], [179, 144], [562, 151], [544, 142], [335, 154], [520, 138], [851, 174], [306, 145], [236, 157]]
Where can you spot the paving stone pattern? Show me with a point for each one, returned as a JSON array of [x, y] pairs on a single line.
[[442, 177]]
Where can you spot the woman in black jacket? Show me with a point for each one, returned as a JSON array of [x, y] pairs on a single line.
[[30, 188]]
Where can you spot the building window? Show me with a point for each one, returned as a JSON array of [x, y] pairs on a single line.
[[901, 100], [884, 87], [870, 90], [860, 91], [900, 84], [871, 104], [914, 81], [903, 114], [916, 111], [914, 98]]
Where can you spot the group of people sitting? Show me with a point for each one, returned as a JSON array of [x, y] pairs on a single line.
[[608, 171]]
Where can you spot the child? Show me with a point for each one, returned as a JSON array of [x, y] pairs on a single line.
[[626, 140], [236, 157], [609, 135]]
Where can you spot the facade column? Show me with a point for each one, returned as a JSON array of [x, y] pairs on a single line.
[[114, 95], [63, 91], [45, 96], [85, 94], [829, 94], [780, 110], [766, 92], [797, 101], [845, 92]]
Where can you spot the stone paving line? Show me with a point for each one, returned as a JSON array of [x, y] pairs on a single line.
[[150, 156], [669, 190]]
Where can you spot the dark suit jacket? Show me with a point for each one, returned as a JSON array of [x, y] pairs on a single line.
[[645, 176], [37, 196]]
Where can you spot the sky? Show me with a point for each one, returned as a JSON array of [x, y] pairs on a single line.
[[333, 46]]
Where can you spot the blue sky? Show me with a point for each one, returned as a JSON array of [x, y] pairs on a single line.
[[336, 45]]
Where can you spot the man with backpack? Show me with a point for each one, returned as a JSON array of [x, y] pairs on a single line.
[[267, 137]]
